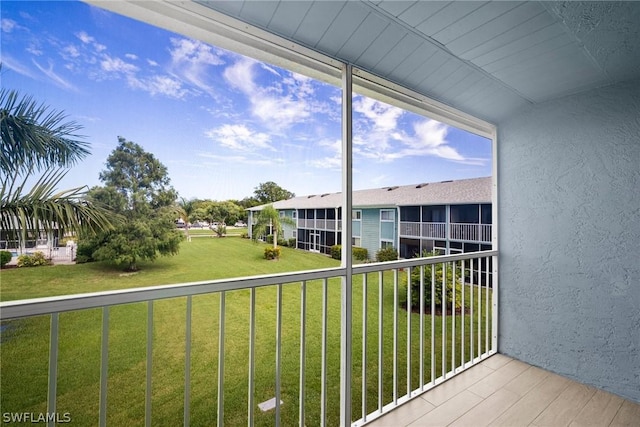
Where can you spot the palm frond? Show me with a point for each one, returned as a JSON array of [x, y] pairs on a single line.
[[43, 208], [35, 137]]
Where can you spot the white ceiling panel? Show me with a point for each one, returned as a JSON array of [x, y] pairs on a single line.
[[385, 43], [405, 48], [343, 27], [505, 22], [318, 19], [394, 8], [447, 16], [419, 11], [476, 18], [259, 13], [286, 19], [365, 36]]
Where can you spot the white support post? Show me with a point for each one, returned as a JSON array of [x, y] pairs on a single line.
[[347, 206]]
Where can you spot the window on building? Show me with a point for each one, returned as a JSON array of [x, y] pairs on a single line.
[[356, 215], [294, 214], [356, 241], [387, 215]]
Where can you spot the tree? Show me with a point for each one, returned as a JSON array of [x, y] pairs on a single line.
[[137, 186], [269, 192], [186, 209], [226, 212], [37, 140], [269, 219]]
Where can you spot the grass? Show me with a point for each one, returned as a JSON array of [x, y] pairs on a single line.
[[25, 342]]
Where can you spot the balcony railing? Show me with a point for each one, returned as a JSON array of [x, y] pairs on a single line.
[[394, 354], [438, 230], [320, 224]]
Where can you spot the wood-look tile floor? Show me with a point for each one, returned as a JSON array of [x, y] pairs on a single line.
[[502, 391]]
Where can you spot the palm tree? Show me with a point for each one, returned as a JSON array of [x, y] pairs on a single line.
[[186, 209], [38, 140], [269, 219]]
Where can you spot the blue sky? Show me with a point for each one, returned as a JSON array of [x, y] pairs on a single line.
[[222, 123]]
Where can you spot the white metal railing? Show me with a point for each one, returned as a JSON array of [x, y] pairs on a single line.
[[472, 232], [442, 339], [434, 230]]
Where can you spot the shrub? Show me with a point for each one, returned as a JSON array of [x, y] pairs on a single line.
[[282, 242], [293, 243], [386, 254], [435, 271], [271, 253], [360, 254], [336, 252], [244, 235], [35, 260], [221, 230], [84, 251], [5, 257], [269, 239]]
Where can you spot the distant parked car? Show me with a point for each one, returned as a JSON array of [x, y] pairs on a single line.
[[239, 224]]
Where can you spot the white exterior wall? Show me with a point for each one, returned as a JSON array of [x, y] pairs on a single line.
[[569, 208]]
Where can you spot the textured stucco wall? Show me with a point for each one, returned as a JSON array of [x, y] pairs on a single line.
[[569, 213]]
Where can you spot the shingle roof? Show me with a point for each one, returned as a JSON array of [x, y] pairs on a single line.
[[462, 191]]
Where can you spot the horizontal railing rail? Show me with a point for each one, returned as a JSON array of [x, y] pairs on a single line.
[[403, 342]]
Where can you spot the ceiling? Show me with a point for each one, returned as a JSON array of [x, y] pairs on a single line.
[[486, 59]]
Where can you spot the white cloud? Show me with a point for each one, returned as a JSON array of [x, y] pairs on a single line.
[[279, 105], [55, 78], [191, 61], [71, 51], [239, 138], [8, 25], [131, 56], [84, 37], [152, 63], [17, 66], [384, 117], [116, 65], [334, 160], [158, 85], [240, 159]]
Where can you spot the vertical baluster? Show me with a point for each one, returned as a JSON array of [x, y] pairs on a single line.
[[104, 364], [303, 335], [433, 323], [187, 363], [395, 336], [365, 293], [278, 350], [479, 328], [409, 332], [486, 305], [323, 373], [471, 314], [463, 316], [149, 390], [223, 296], [444, 319], [453, 316], [421, 327], [53, 367], [380, 341], [252, 351]]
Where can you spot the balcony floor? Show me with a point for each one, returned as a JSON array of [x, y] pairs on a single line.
[[502, 391]]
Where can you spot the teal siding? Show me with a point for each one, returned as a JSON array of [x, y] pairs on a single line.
[[371, 231]]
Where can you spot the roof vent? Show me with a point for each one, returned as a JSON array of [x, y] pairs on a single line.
[[324, 195], [424, 184], [313, 195], [450, 180], [392, 188]]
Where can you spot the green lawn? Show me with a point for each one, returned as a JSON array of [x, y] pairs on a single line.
[[25, 342]]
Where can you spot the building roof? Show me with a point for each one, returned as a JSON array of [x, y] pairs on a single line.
[[462, 191]]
